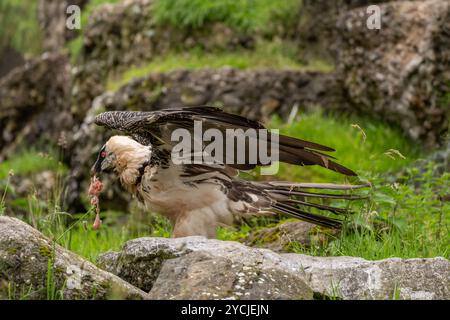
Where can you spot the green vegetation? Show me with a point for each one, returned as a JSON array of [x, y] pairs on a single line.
[[5, 185], [115, 231], [244, 15], [90, 7], [397, 220], [267, 55], [366, 146], [75, 47], [28, 162], [445, 98], [19, 26]]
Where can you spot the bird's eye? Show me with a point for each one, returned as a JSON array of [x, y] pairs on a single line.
[[103, 154]]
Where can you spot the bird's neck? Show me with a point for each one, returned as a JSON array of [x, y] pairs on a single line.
[[130, 165]]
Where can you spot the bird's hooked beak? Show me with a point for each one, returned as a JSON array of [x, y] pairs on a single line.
[[97, 167], [101, 164]]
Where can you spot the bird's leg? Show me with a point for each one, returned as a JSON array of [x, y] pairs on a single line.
[[195, 223]]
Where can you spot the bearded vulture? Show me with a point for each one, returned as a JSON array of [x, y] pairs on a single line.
[[199, 197]]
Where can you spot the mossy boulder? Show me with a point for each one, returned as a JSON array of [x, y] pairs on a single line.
[[34, 267], [282, 237]]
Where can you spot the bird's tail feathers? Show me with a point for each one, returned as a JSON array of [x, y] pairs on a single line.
[[294, 198]]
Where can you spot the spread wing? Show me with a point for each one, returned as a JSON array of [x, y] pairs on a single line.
[[156, 128]]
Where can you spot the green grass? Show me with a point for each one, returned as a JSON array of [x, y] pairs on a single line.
[[19, 26], [89, 243], [114, 232], [366, 146], [244, 15], [28, 162], [399, 220], [75, 47], [90, 7], [267, 55]]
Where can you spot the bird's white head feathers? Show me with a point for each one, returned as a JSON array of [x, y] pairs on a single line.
[[125, 156]]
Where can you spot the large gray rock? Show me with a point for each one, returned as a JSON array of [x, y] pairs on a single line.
[[356, 278], [195, 267], [401, 72], [29, 262], [203, 275]]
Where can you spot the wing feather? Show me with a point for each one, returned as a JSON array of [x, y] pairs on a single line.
[[156, 127]]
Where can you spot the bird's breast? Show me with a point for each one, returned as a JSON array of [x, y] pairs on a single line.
[[165, 192]]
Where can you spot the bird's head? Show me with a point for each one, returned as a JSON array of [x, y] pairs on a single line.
[[120, 153]]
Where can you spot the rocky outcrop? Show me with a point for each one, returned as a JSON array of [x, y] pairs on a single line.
[[33, 267], [401, 72], [316, 27], [185, 278], [356, 278], [52, 18], [252, 93], [196, 267], [9, 59], [126, 33], [33, 103]]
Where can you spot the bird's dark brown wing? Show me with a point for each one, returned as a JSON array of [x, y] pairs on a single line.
[[156, 127]]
